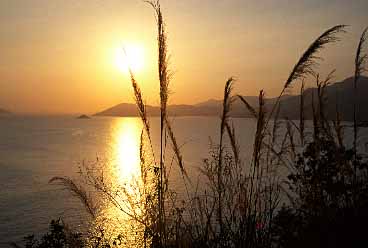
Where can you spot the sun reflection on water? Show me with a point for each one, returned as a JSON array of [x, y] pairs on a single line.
[[125, 178], [126, 136]]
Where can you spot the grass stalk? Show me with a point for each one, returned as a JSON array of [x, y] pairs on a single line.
[[360, 67], [309, 60], [226, 105]]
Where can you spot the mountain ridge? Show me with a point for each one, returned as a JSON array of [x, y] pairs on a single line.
[[339, 94]]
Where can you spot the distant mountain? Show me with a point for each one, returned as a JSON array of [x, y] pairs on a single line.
[[128, 109], [209, 103], [339, 94], [209, 108]]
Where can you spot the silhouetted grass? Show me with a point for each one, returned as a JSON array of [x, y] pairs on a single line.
[[240, 205], [309, 60], [360, 67]]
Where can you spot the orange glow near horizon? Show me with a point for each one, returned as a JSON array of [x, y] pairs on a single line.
[[67, 57]]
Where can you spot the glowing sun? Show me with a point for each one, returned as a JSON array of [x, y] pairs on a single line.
[[129, 57]]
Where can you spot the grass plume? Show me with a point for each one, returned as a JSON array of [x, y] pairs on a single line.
[[309, 60], [226, 105], [77, 191], [360, 67], [176, 149], [249, 107]]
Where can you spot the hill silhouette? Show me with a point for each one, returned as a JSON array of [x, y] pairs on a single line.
[[338, 95]]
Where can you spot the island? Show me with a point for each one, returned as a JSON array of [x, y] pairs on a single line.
[[84, 117]]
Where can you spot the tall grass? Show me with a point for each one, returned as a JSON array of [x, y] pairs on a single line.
[[360, 67], [240, 199], [307, 63]]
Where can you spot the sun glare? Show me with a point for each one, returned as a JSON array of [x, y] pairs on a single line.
[[129, 57]]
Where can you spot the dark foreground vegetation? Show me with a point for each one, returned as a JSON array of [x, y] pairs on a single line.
[[304, 186]]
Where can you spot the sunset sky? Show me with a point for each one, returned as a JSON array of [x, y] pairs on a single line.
[[59, 56]]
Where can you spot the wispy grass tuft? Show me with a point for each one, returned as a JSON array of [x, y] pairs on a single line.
[[164, 78], [306, 64], [360, 67], [309, 60], [233, 142], [176, 149], [226, 105], [77, 191], [361, 57], [301, 114], [249, 107], [138, 97]]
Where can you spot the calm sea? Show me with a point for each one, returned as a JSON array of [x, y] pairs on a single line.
[[35, 149]]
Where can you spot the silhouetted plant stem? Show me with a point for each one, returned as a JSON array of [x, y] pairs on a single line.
[[360, 63], [226, 105], [164, 79], [301, 114]]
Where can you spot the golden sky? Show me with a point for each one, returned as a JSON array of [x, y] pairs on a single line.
[[60, 56]]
